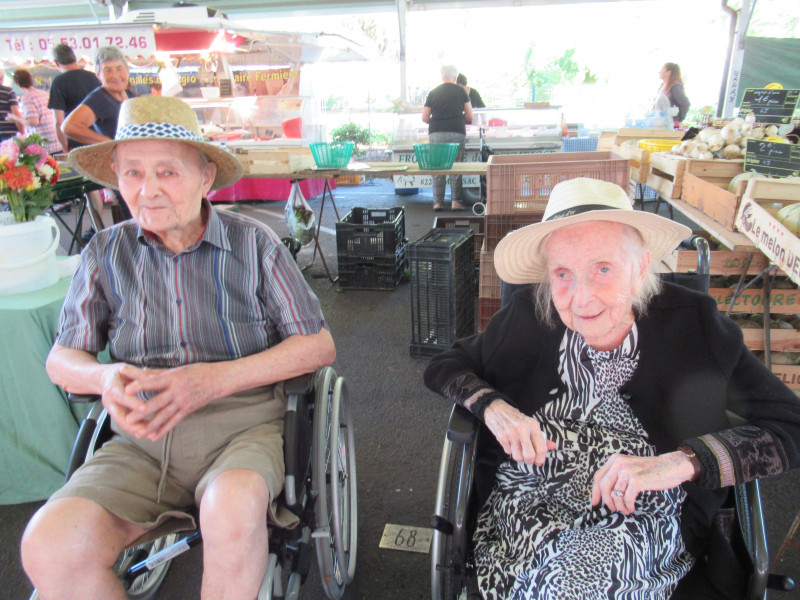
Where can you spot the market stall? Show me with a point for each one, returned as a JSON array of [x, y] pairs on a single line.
[[249, 88]]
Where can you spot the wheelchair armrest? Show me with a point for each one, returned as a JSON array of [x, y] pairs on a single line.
[[462, 426], [751, 522], [82, 397], [303, 384]]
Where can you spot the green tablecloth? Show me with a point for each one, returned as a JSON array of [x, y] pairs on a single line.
[[37, 424]]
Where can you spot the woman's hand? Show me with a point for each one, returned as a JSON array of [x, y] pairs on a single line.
[[520, 435], [618, 482]]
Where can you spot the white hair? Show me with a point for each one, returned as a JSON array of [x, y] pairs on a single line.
[[449, 72], [635, 248]]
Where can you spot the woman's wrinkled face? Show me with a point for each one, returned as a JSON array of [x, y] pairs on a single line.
[[595, 272]]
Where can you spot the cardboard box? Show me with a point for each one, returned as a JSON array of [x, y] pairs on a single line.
[[275, 161], [779, 244]]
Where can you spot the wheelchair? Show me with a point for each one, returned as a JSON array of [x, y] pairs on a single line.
[[468, 462], [320, 490]]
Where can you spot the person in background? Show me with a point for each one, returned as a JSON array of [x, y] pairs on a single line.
[[447, 111], [95, 119], [68, 90], [9, 109], [36, 117], [672, 88], [474, 97], [155, 89]]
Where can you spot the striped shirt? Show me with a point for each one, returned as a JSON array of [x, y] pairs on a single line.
[[234, 293], [34, 103], [7, 99]]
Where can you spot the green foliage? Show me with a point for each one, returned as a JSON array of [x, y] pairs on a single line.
[[350, 132], [557, 70]]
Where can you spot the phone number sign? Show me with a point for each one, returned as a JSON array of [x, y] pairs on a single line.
[[39, 43]]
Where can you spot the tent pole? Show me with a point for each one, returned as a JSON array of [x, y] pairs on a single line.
[[737, 57], [401, 20]]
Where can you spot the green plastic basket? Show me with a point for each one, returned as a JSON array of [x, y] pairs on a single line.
[[335, 155], [435, 156]]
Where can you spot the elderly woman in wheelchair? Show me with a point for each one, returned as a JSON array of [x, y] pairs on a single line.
[[606, 392], [204, 313]]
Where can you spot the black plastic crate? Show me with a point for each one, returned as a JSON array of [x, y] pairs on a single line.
[[442, 290], [368, 232], [378, 274]]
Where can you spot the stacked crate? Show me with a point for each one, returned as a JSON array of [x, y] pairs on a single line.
[[442, 290], [371, 248], [518, 187], [476, 225]]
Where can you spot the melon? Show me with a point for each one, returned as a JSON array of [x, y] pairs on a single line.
[[789, 216]]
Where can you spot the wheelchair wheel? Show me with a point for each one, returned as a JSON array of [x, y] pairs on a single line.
[[449, 578], [334, 481]]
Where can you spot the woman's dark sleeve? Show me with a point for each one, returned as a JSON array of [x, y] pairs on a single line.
[[457, 374], [768, 443], [678, 97]]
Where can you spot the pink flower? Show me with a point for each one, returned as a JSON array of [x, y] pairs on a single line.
[[37, 149], [11, 149]]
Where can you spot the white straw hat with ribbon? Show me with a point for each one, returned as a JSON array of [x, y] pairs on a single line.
[[519, 257], [154, 118]]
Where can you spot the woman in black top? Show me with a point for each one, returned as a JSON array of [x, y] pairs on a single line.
[[672, 88]]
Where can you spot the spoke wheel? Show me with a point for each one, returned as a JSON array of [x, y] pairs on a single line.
[[334, 481]]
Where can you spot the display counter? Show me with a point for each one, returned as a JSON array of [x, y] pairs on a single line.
[[506, 131]]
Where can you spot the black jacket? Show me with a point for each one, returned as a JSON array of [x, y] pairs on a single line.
[[693, 366]]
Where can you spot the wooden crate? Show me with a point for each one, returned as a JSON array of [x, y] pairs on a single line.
[[788, 374], [782, 301], [628, 133], [722, 262], [490, 286], [708, 192], [275, 161], [666, 174], [640, 161]]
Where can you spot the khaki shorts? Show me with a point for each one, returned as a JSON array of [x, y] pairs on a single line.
[[242, 431]]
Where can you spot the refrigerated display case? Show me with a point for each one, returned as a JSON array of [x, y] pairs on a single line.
[[506, 131]]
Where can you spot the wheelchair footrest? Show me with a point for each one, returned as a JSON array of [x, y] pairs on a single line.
[[301, 561], [783, 583]]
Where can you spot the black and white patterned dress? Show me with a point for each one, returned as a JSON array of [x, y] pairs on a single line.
[[538, 536]]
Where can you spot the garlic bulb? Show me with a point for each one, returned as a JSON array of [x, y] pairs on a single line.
[[750, 118], [701, 146], [729, 133], [706, 155], [716, 142], [757, 133], [676, 149], [747, 128], [731, 151], [687, 146], [770, 130], [694, 153], [706, 134], [738, 122]]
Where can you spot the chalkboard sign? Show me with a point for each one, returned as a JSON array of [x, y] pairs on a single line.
[[772, 158], [225, 88], [774, 107]]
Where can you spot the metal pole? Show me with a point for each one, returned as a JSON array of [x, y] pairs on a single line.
[[401, 20], [737, 59]]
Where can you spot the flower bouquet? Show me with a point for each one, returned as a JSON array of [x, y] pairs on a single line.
[[26, 174]]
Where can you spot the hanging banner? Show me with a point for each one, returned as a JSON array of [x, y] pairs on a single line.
[[37, 44]]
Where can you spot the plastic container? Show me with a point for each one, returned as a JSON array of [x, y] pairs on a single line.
[[435, 156], [579, 144], [442, 290], [368, 233], [657, 145], [521, 183], [28, 256], [334, 155], [382, 273]]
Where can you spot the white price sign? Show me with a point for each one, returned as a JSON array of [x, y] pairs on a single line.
[[136, 40]]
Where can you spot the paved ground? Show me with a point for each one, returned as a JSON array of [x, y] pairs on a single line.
[[398, 425]]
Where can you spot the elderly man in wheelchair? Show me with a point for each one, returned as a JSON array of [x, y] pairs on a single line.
[[205, 314], [605, 392]]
